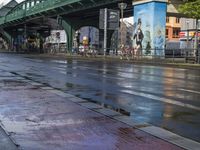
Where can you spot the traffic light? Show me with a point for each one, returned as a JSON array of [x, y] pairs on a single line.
[[58, 35], [78, 37]]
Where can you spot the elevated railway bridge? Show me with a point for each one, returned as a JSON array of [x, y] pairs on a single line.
[[43, 15]]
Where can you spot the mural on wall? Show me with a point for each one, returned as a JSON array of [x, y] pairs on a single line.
[[150, 22]]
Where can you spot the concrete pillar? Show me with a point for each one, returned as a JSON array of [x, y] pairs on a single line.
[[150, 26], [6, 37]]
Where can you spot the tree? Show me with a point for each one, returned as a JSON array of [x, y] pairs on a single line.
[[191, 9]]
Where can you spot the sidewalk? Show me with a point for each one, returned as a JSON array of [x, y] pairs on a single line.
[[37, 117], [5, 142]]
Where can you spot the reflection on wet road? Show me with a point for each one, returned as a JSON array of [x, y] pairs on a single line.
[[162, 96]]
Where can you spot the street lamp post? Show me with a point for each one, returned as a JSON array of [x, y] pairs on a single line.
[[198, 46], [196, 38], [122, 6]]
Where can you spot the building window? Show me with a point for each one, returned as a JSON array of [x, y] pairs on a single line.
[[167, 20], [167, 32], [177, 20], [176, 32]]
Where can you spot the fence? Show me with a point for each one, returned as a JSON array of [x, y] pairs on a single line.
[[158, 55], [169, 55]]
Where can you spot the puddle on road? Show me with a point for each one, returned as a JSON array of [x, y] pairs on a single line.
[[34, 75], [69, 85], [78, 95], [78, 88], [186, 117], [93, 95], [178, 115], [98, 94], [13, 83]]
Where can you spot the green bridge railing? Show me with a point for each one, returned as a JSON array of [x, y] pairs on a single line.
[[33, 7]]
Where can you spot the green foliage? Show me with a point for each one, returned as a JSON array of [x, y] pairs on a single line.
[[191, 9]]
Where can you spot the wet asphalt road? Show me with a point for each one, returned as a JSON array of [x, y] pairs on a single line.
[[162, 96]]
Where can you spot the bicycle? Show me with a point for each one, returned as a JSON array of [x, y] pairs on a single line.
[[127, 52]]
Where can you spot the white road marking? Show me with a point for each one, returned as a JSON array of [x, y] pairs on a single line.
[[162, 99], [191, 91]]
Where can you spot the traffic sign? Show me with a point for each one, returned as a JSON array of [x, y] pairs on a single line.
[[112, 19]]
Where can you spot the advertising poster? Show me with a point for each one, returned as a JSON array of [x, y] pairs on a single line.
[[149, 32]]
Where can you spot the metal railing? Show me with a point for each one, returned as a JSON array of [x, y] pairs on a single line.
[[151, 55], [32, 7], [156, 55]]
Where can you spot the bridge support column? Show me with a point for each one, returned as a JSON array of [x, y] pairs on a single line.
[[150, 21], [6, 37], [70, 31]]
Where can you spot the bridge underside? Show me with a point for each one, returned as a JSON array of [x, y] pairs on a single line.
[[73, 17], [86, 11], [87, 16]]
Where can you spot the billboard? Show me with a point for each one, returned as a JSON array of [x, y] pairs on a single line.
[[57, 36], [191, 34], [150, 22]]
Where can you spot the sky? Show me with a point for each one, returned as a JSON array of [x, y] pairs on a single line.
[[6, 1], [130, 20]]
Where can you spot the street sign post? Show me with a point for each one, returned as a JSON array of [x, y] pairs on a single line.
[[112, 19], [108, 20]]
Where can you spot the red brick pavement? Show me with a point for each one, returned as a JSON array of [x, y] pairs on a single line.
[[39, 120]]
